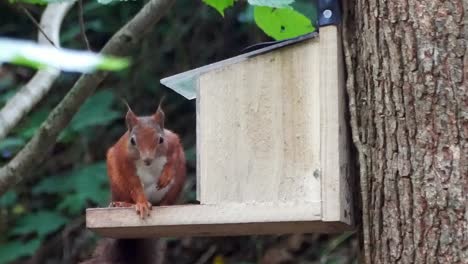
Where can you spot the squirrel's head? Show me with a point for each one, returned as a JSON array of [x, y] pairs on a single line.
[[145, 135]]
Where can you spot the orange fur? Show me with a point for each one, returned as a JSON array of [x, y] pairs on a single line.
[[174, 169], [126, 186]]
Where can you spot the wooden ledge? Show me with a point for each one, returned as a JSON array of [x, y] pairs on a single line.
[[211, 220]]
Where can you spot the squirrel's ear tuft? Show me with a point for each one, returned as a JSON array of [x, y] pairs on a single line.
[[159, 115], [130, 119]]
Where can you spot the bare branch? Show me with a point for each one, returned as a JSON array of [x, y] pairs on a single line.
[[39, 146], [30, 94], [82, 24], [39, 27]]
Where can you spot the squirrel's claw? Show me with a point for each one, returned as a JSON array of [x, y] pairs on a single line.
[[143, 209]]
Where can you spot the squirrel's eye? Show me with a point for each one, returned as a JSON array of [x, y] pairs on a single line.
[[132, 141], [161, 140]]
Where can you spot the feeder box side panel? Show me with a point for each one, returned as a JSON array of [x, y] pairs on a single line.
[[336, 202], [259, 128]]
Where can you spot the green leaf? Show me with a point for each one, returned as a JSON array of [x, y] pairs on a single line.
[[36, 2], [113, 63], [54, 184], [219, 5], [79, 186], [8, 199], [95, 111], [88, 185], [11, 143], [18, 209], [31, 54], [42, 223], [31, 63], [73, 203], [271, 3], [307, 9], [33, 123], [282, 23], [16, 249]]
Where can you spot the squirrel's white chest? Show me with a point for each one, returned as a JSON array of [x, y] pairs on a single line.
[[149, 176]]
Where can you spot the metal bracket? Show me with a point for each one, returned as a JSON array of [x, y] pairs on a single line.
[[329, 12]]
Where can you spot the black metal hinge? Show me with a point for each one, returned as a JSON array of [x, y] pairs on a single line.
[[329, 12]]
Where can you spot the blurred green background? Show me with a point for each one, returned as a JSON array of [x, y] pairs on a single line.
[[43, 220]]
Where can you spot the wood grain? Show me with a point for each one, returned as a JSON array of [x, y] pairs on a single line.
[[259, 121], [336, 200]]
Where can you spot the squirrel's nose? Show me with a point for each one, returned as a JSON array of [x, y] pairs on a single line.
[[147, 161]]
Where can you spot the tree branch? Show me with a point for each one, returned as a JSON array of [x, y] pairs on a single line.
[[82, 24], [30, 94], [39, 27], [38, 147]]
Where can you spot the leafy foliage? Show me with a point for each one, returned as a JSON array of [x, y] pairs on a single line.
[[8, 199], [37, 56], [95, 111], [219, 5], [282, 23], [73, 190], [77, 187], [15, 249], [12, 144], [33, 123], [40, 223], [277, 18]]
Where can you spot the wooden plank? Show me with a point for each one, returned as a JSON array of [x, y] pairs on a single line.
[[211, 220], [259, 128], [336, 202]]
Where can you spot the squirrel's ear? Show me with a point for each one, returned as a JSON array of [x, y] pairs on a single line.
[[159, 115], [131, 119]]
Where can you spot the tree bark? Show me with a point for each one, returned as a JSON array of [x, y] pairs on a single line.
[[407, 67]]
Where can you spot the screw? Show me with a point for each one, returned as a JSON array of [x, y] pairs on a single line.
[[327, 13]]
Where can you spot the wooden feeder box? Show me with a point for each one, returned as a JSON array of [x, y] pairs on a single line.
[[272, 153]]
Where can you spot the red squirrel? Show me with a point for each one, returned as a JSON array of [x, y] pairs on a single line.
[[147, 164], [145, 167]]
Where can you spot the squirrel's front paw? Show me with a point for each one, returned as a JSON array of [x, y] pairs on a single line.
[[143, 209], [164, 180]]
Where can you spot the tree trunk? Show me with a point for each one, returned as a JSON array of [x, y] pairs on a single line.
[[407, 67]]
